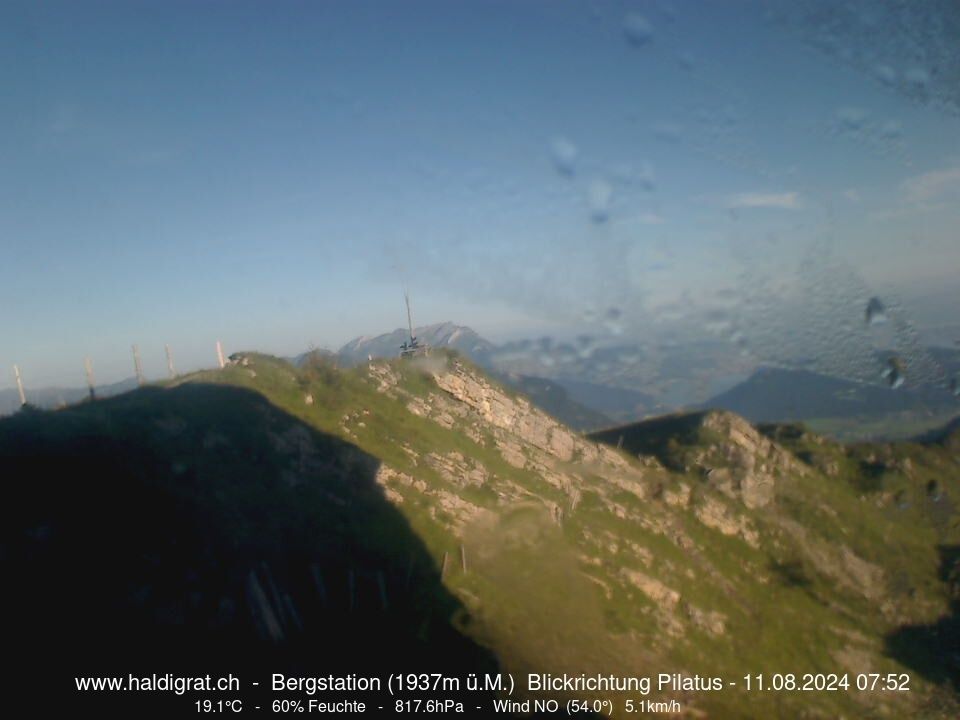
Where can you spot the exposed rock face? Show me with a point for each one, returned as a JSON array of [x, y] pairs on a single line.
[[749, 463], [502, 411], [548, 466]]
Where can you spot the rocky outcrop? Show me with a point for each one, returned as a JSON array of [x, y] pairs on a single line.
[[513, 414], [741, 462]]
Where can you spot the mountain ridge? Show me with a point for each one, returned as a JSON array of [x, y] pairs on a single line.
[[563, 553]]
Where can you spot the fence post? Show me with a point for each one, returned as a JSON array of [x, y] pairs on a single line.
[[137, 367], [23, 396], [170, 369], [88, 366]]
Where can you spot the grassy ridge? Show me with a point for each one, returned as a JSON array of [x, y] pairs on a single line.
[[223, 473]]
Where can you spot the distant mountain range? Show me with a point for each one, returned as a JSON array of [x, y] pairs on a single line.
[[447, 335], [49, 398], [778, 394], [589, 387]]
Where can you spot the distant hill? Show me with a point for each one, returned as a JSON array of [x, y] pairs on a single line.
[[53, 397], [553, 397], [777, 394], [618, 404]]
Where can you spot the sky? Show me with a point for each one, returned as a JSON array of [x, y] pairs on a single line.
[[272, 174]]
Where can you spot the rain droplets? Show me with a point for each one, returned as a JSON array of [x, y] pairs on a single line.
[[613, 321], [895, 373], [876, 312], [599, 200], [563, 154], [637, 29]]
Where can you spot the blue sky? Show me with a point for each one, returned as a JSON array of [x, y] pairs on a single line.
[[268, 173]]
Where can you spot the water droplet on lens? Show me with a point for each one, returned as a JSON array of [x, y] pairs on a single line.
[[646, 178], [668, 132], [851, 118], [612, 321], [637, 29], [917, 78], [599, 196], [895, 373], [890, 130], [686, 60], [564, 155], [886, 74], [876, 312]]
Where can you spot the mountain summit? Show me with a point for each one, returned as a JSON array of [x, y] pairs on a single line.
[[442, 335]]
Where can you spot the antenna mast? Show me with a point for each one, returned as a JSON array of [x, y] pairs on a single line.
[[406, 297]]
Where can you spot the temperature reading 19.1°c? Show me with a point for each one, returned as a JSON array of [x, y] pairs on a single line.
[[219, 706]]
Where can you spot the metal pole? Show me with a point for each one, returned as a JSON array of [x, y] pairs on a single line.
[[23, 397], [406, 298]]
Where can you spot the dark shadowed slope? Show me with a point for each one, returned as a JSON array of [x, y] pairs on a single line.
[[201, 529]]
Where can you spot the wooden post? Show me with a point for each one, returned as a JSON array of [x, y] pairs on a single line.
[[220, 359], [170, 369], [443, 565], [318, 582], [23, 396], [292, 613], [275, 596], [382, 583], [463, 558], [88, 366], [138, 369], [260, 608]]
